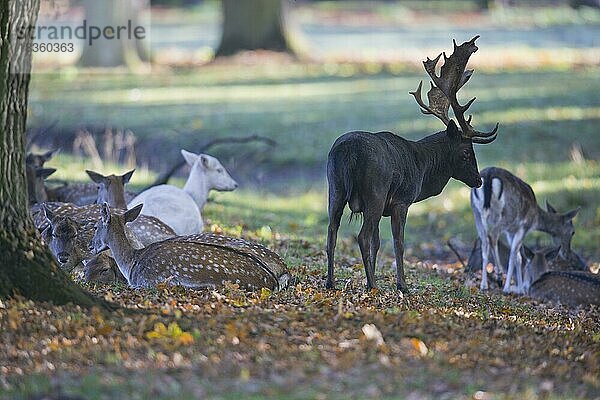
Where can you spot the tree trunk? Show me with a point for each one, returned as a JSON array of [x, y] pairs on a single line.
[[26, 266], [111, 52], [254, 24]]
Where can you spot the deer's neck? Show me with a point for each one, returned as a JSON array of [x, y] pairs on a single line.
[[122, 250], [545, 221], [433, 160], [197, 187], [117, 201]]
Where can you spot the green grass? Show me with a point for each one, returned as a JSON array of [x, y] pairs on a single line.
[[305, 107]]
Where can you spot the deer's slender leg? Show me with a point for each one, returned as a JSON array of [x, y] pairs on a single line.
[[515, 247], [364, 242], [398, 221], [336, 209], [371, 217], [485, 253], [519, 269], [498, 267], [375, 243]]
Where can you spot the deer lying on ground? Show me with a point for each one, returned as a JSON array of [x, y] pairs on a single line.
[[102, 269], [69, 233], [38, 160], [77, 193], [505, 205], [111, 188], [569, 260], [181, 208], [68, 229], [185, 261], [572, 288], [36, 191], [82, 194], [382, 174]]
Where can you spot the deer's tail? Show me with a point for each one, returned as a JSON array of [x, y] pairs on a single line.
[[341, 167], [491, 186]]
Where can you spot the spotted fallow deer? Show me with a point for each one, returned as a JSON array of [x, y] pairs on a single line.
[[68, 230], [382, 174], [572, 288], [505, 205], [186, 261]]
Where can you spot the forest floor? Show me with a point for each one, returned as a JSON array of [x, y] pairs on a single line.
[[443, 340]]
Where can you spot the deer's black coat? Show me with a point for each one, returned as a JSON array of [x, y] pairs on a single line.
[[382, 174]]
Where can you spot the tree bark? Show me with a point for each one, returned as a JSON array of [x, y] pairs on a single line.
[[27, 268], [254, 24], [113, 52]]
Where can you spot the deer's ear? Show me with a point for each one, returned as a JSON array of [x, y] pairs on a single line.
[[44, 172], [105, 212], [552, 253], [571, 214], [48, 155], [550, 208], [94, 176], [47, 213], [189, 157], [206, 161], [133, 213], [127, 176], [452, 130], [528, 252]]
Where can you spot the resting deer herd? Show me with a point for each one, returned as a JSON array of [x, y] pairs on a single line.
[[111, 234]]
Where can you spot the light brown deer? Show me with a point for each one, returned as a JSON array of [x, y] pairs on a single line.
[[505, 205], [111, 188], [568, 260], [36, 190], [75, 193], [97, 191], [572, 288], [185, 261], [38, 160], [102, 269]]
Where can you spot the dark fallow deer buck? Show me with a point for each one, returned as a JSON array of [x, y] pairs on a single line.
[[382, 174]]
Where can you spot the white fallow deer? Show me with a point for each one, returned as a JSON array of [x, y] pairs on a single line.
[[181, 208], [194, 261], [505, 205]]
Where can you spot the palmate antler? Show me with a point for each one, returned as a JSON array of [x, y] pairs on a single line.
[[442, 94]]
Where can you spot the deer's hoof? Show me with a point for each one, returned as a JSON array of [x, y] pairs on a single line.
[[329, 285], [402, 287], [511, 289]]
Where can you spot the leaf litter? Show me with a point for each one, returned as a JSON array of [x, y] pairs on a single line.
[[444, 339]]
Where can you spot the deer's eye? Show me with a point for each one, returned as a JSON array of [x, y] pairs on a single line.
[[220, 170]]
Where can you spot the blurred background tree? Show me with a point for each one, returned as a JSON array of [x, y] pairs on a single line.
[[114, 52], [254, 24]]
